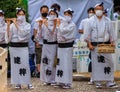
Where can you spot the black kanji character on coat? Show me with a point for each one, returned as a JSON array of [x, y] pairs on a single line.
[[45, 60], [107, 70], [48, 72], [60, 73], [22, 71], [101, 59], [17, 60]]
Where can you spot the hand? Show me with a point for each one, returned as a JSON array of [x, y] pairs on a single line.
[[40, 23], [45, 22], [55, 22], [63, 38], [91, 47], [113, 44], [37, 44], [81, 31], [8, 21], [14, 20], [58, 22]]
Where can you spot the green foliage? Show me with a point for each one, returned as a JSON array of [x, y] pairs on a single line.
[[118, 17], [9, 7]]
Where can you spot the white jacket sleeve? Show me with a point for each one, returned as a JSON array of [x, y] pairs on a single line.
[[87, 34], [6, 37], [111, 30], [10, 32]]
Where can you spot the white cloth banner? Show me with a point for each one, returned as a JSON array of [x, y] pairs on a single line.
[[79, 6]]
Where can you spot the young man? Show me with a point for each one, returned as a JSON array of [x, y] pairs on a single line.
[[99, 30], [91, 13], [38, 43]]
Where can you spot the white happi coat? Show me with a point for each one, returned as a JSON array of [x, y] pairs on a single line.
[[20, 70], [3, 33], [49, 51], [65, 34], [100, 31]]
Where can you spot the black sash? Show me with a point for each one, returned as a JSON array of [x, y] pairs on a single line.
[[65, 45], [46, 42], [96, 43], [18, 44], [4, 45]]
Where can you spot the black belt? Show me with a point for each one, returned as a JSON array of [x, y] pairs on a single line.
[[3, 45], [46, 42], [65, 45], [18, 44], [96, 43]]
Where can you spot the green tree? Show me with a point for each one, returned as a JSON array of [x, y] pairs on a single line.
[[9, 7]]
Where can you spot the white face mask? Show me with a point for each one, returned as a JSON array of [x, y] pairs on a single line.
[[99, 13], [68, 18], [90, 15], [21, 18], [52, 17]]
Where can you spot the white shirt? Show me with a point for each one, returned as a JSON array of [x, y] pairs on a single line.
[[82, 27]]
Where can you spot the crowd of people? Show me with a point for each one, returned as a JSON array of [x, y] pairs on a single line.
[[54, 36]]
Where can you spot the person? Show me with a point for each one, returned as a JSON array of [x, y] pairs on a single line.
[[116, 13], [43, 12], [65, 38], [105, 12], [39, 43], [19, 35], [91, 13], [99, 29], [56, 6], [3, 30], [58, 9], [49, 49]]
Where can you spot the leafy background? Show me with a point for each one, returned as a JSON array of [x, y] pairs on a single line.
[[9, 7]]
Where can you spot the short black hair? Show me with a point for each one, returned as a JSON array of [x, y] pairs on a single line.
[[1, 13], [55, 5], [117, 8], [90, 9], [44, 6], [54, 10], [19, 10], [69, 12]]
